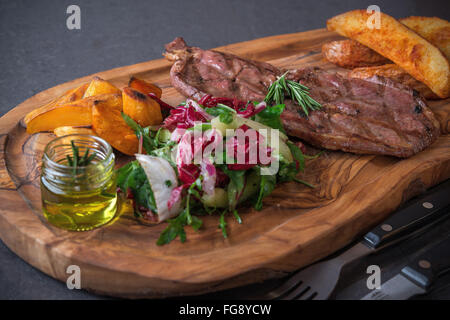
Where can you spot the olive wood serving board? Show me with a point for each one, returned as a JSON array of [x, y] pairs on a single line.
[[297, 226]]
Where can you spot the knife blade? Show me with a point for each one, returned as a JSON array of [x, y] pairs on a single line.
[[397, 288], [418, 276]]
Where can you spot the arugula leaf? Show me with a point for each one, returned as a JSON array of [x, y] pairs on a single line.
[[202, 127], [287, 171], [223, 225], [304, 182], [226, 117], [222, 111], [196, 223], [132, 176], [174, 229], [314, 156], [165, 153], [176, 226], [270, 117], [266, 187], [236, 185], [236, 215], [236, 176], [297, 154], [123, 175], [151, 140]]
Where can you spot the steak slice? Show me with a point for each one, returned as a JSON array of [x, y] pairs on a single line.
[[366, 116], [198, 72]]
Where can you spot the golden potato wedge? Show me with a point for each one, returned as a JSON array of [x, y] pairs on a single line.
[[435, 30], [63, 131], [395, 73], [108, 124], [144, 86], [400, 44], [69, 96], [141, 108], [77, 113], [100, 86], [351, 54]]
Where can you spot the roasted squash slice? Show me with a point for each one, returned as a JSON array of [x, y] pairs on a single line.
[[144, 86], [69, 96], [108, 124], [100, 86], [77, 113], [141, 108]]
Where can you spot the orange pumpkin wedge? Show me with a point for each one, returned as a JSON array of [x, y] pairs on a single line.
[[108, 124], [141, 108], [77, 113], [68, 97], [144, 86], [99, 86]]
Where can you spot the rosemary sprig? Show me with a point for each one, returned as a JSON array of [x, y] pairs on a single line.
[[76, 161], [298, 92]]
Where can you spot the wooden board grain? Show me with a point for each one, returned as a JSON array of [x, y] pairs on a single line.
[[297, 226]]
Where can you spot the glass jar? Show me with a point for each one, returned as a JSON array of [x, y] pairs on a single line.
[[78, 198]]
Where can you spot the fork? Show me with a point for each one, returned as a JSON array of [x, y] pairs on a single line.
[[318, 281]]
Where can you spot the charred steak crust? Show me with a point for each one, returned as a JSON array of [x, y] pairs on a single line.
[[364, 116], [197, 72]]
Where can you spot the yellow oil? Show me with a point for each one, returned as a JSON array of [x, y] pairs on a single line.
[[79, 211]]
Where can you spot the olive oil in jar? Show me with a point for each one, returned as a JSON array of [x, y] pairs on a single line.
[[77, 195]]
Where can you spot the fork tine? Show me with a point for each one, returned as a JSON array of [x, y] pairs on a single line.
[[287, 295], [313, 296], [293, 282], [299, 292]]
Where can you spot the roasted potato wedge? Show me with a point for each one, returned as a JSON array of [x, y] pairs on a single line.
[[77, 113], [351, 54], [141, 108], [395, 73], [400, 44], [100, 86], [63, 131], [435, 30], [144, 86], [108, 124]]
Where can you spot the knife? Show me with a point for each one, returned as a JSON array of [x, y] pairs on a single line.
[[415, 217], [417, 277]]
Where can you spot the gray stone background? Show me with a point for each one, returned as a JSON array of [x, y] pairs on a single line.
[[38, 52]]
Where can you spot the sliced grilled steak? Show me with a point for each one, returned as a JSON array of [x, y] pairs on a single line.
[[365, 116], [397, 74], [197, 72], [368, 116]]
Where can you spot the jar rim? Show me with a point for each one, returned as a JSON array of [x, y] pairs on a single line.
[[53, 143]]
